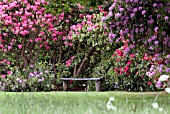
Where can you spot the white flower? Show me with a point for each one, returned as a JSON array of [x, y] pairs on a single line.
[[160, 109], [167, 90], [163, 78], [111, 99], [109, 104], [155, 105]]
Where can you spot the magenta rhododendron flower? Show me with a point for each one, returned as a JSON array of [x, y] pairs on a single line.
[[149, 83], [132, 55], [20, 46]]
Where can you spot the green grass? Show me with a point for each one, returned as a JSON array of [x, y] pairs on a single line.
[[81, 103]]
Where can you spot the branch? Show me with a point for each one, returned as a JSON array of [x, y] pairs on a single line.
[[84, 61], [36, 55], [60, 51], [75, 67]]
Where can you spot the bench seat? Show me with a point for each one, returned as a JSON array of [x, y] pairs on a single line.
[[97, 82]]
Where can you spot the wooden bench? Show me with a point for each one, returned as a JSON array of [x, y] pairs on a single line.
[[97, 82]]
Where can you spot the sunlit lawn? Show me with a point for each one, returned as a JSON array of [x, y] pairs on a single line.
[[82, 103]]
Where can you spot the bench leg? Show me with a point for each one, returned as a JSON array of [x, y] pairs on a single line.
[[65, 85], [97, 85]]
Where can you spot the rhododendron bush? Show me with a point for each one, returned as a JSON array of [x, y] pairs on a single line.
[[30, 35], [142, 28]]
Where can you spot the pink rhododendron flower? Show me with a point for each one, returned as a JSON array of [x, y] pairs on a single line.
[[149, 83], [8, 63], [68, 63], [5, 60], [129, 62], [9, 72], [71, 44], [3, 76], [20, 46], [9, 47], [132, 55]]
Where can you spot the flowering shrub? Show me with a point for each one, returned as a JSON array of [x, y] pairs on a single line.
[[141, 28], [35, 78]]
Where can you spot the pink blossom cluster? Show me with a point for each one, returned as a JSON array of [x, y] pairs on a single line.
[[69, 61], [20, 22]]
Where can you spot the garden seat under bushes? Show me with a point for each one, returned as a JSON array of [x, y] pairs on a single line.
[[97, 82]]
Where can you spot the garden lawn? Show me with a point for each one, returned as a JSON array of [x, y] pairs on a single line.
[[82, 103]]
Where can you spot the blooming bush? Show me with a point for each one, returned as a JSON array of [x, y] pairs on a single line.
[[35, 78], [141, 28]]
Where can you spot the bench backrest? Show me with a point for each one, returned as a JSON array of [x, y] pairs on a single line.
[[65, 79]]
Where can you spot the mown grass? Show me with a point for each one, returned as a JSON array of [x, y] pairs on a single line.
[[81, 103]]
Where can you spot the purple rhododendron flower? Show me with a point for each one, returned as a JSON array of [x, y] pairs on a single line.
[[136, 30], [158, 84], [127, 50], [127, 1], [150, 21], [132, 46], [131, 0], [151, 69], [158, 15], [156, 42], [113, 36], [154, 37], [31, 74], [35, 72], [156, 29], [154, 5], [150, 47], [31, 66], [121, 9], [39, 80], [112, 6], [143, 12], [103, 19], [166, 18], [135, 1], [38, 75], [132, 36], [132, 15], [110, 14], [167, 70], [141, 29], [126, 30], [161, 66], [135, 10], [168, 56], [140, 8], [117, 15], [149, 40]]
